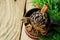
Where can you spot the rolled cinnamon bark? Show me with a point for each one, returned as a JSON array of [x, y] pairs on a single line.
[[45, 8], [38, 6]]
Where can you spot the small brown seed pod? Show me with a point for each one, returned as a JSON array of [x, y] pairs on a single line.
[[29, 27], [26, 19]]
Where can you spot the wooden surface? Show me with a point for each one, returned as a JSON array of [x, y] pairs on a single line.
[[11, 13], [29, 6]]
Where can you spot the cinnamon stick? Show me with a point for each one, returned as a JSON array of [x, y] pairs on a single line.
[[45, 8]]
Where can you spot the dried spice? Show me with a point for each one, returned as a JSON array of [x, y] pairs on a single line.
[[37, 24]]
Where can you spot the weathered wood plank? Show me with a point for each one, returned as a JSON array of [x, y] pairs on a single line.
[[11, 13]]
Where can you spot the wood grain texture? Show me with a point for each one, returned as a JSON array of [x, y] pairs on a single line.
[[11, 13], [29, 5]]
